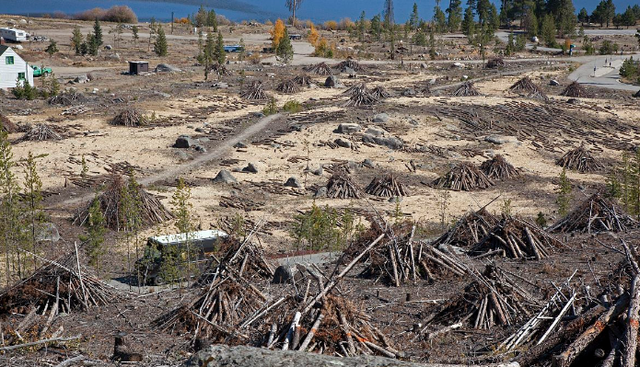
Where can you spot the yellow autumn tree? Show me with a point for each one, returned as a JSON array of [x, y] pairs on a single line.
[[313, 35], [277, 33]]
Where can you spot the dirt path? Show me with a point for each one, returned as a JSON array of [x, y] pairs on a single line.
[[176, 171]]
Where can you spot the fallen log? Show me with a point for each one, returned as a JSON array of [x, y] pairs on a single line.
[[223, 355]]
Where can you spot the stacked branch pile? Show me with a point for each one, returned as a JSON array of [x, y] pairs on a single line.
[[360, 96], [498, 168], [464, 177], [303, 80], [493, 298], [380, 92], [580, 160], [342, 186], [348, 64], [68, 99], [596, 214], [255, 91], [576, 90], [319, 69], [288, 87], [387, 186], [244, 258], [6, 125], [528, 88], [41, 132], [466, 90], [114, 199], [516, 238], [131, 117], [469, 229]]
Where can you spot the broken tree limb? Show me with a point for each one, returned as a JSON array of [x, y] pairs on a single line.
[[332, 283], [629, 356], [43, 341]]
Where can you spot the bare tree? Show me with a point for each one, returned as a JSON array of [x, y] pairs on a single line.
[[293, 5]]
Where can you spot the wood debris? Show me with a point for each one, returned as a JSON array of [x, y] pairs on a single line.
[[131, 117], [467, 89], [255, 91], [219, 69], [581, 160], [498, 168], [288, 87], [516, 238], [464, 177], [68, 99], [596, 214], [243, 257], [576, 90], [495, 63], [348, 64], [245, 204], [319, 69], [151, 209], [380, 92], [493, 298], [6, 125], [469, 229], [360, 96], [303, 80], [41, 132], [387, 186], [341, 186], [529, 89]]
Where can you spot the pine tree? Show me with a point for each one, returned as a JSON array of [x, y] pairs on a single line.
[[130, 216], [285, 50], [548, 31], [566, 20], [52, 48], [468, 24], [32, 199], [414, 19], [376, 27], [134, 32], [439, 19], [160, 47], [455, 15], [212, 20], [201, 17], [583, 16], [564, 194], [361, 26], [97, 33], [10, 228], [76, 40], [219, 53], [96, 231], [182, 208]]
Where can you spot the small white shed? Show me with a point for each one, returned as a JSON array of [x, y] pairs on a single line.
[[13, 68]]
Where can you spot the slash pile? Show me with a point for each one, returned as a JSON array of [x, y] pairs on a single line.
[[319, 69], [341, 186], [465, 177], [596, 214], [499, 169], [6, 125], [528, 88], [580, 160], [469, 230], [388, 186], [576, 90], [130, 117], [360, 96], [288, 87], [466, 90], [255, 91], [380, 92], [41, 132]]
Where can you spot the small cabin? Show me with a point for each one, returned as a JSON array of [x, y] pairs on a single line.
[[138, 67], [13, 68]]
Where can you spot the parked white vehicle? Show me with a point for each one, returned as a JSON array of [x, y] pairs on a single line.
[[14, 35]]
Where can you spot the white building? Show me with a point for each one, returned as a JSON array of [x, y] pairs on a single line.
[[13, 68]]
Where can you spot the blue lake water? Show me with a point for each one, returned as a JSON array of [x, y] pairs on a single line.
[[236, 10]]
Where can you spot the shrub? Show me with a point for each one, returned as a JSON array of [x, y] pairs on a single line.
[[292, 106], [271, 108], [331, 25], [120, 14]]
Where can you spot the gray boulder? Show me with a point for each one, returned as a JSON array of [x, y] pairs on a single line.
[[240, 145], [200, 148], [409, 92], [285, 274], [375, 132], [250, 168], [333, 82], [347, 128], [321, 193], [368, 163], [554, 83], [166, 68], [501, 139], [343, 143], [184, 141], [293, 182], [225, 176], [381, 118], [389, 142], [81, 79]]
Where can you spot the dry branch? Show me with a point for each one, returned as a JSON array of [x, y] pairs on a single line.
[[319, 69], [581, 160], [465, 177], [288, 87], [341, 186], [387, 186], [466, 90], [528, 88], [130, 117], [499, 169], [255, 91], [576, 90], [41, 132], [596, 214]]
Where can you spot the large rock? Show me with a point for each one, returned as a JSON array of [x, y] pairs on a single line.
[[250, 168], [501, 139], [285, 274], [81, 79], [225, 176], [374, 131], [321, 193], [184, 141], [243, 356], [381, 118], [333, 82], [47, 232], [166, 68], [293, 182], [343, 143], [389, 142], [347, 128]]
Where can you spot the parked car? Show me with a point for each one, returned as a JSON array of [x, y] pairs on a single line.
[[167, 257], [37, 71]]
